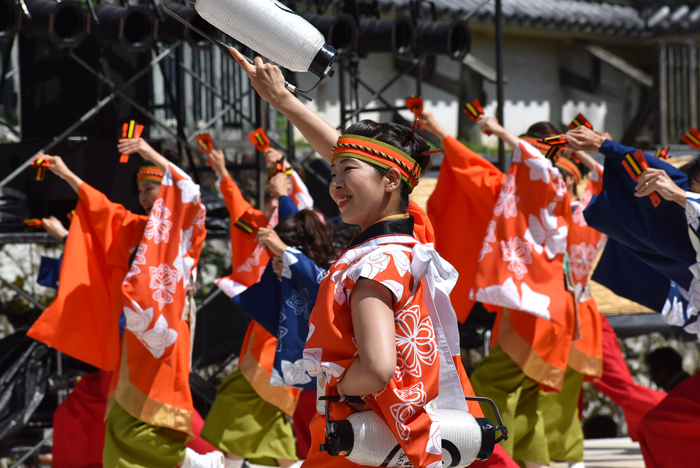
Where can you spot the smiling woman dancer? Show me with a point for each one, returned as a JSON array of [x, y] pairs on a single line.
[[374, 332]]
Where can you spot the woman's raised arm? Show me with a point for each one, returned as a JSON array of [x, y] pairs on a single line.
[[268, 81]]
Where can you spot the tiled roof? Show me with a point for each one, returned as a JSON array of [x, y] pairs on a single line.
[[569, 15]]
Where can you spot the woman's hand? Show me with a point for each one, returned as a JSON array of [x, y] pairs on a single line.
[[489, 124], [584, 139], [278, 266], [269, 238], [272, 156], [657, 180], [217, 161], [54, 227], [266, 78], [432, 125], [58, 167], [280, 185], [139, 145]]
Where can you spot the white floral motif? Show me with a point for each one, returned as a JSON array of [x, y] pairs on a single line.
[[517, 253], [395, 287], [544, 231], [253, 260], [541, 169], [370, 266], [159, 337], [293, 374], [200, 218], [560, 187], [534, 302], [577, 216], [581, 259], [189, 191], [299, 302], [692, 211], [163, 282], [156, 339], [507, 199], [139, 259], [505, 295], [434, 445], [412, 398], [415, 342], [158, 226], [488, 239], [183, 263]]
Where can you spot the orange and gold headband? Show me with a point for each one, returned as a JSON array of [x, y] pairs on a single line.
[[569, 166], [150, 173], [379, 154]]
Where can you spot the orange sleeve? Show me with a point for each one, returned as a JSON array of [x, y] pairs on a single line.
[[472, 171], [83, 319]]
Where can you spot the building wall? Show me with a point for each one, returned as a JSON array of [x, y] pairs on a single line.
[[533, 92]]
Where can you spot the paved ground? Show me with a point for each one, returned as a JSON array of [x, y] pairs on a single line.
[[602, 453], [611, 453]]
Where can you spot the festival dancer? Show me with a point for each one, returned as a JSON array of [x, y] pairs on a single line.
[[142, 267], [524, 280], [667, 431], [363, 353], [479, 184], [244, 421]]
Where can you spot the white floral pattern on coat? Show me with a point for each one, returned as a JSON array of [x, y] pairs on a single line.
[[517, 253], [139, 259], [163, 283], [507, 202], [488, 239], [157, 338], [293, 374], [544, 233], [542, 169], [412, 397], [577, 215], [189, 191], [158, 226], [581, 259], [415, 342], [299, 302], [183, 263]]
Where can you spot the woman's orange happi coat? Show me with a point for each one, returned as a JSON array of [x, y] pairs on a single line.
[[464, 222], [152, 382]]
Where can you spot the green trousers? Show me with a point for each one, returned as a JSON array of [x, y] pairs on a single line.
[[131, 443], [561, 419], [499, 378], [241, 423]]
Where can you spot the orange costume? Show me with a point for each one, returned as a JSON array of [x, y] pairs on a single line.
[[586, 354], [428, 366], [249, 260], [151, 382], [467, 184]]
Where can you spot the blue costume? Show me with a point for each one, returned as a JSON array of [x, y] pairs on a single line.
[[283, 308], [648, 256]]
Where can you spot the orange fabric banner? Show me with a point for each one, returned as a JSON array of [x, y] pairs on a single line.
[[467, 184], [83, 319]]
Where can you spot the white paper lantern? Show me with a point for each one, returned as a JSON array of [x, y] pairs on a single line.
[[273, 30], [374, 444]]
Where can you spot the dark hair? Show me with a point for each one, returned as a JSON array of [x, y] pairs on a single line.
[[399, 136], [542, 130], [692, 170], [173, 157], [665, 358], [306, 231]]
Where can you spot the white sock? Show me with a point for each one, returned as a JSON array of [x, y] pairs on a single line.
[[577, 465], [231, 463], [197, 460]]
